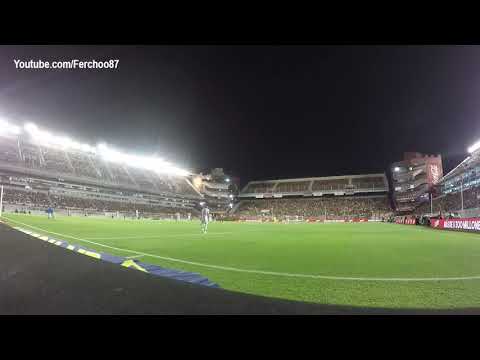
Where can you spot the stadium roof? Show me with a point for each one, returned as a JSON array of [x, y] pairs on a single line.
[[46, 138], [319, 178]]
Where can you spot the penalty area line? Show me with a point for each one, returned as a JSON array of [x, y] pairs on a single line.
[[272, 273]]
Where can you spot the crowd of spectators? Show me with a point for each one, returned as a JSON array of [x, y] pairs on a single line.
[[317, 207], [25, 198], [41, 200], [451, 202]]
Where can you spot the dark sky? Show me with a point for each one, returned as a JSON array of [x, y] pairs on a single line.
[[260, 112]]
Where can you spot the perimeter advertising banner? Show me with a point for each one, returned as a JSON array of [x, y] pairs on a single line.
[[405, 220], [472, 224]]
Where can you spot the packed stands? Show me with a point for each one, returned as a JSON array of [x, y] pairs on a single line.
[[22, 199], [25, 198], [331, 207], [451, 202]]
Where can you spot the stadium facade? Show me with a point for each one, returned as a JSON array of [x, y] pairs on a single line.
[[458, 192], [413, 179], [218, 190]]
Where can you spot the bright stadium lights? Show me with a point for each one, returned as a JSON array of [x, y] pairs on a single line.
[[144, 162], [47, 139], [32, 129], [227, 180], [397, 169], [8, 129], [474, 147]]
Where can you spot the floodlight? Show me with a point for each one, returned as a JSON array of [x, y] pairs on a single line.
[[474, 147], [31, 128], [6, 128], [227, 180], [397, 169]]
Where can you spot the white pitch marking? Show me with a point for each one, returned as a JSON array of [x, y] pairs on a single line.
[[273, 273], [134, 256]]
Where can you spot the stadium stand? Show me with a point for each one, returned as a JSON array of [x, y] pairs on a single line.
[[348, 184], [291, 187], [461, 182], [413, 178], [21, 155], [334, 184], [342, 197], [331, 207], [37, 175], [218, 189]]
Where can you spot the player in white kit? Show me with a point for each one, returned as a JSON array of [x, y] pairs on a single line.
[[204, 219]]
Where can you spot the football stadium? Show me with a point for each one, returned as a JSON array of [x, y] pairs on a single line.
[[83, 225], [328, 240]]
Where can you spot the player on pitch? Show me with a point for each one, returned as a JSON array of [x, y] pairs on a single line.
[[204, 219]]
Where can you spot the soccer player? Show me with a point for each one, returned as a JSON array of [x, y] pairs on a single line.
[[204, 219]]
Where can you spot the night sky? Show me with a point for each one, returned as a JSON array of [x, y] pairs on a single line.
[[260, 112]]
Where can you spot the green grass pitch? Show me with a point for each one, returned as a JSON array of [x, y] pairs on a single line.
[[343, 264]]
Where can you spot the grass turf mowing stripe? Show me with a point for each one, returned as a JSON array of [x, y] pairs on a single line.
[[273, 273]]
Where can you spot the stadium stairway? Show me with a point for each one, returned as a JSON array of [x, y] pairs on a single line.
[[38, 278]]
